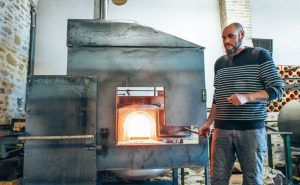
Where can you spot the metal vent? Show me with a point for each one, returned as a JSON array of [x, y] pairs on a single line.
[[263, 43]]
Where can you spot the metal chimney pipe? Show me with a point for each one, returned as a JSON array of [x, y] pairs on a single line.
[[31, 55], [103, 9]]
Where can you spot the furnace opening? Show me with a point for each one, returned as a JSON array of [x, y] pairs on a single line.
[[140, 114], [141, 119]]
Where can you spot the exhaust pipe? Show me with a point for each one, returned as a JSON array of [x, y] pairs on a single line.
[[101, 9]]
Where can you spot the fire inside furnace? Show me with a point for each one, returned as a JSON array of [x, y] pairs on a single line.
[[140, 125], [140, 114]]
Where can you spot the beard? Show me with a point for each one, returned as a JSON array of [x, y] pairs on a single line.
[[234, 47]]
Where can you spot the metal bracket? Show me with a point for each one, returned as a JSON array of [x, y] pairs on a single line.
[[203, 95]]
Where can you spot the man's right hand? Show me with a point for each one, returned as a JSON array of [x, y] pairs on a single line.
[[204, 130]]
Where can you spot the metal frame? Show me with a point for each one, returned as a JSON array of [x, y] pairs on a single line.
[[287, 152]]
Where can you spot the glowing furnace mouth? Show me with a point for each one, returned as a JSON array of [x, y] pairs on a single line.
[[140, 125]]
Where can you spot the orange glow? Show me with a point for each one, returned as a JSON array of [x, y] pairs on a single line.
[[139, 125], [139, 115]]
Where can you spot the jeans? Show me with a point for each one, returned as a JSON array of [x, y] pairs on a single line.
[[249, 146]]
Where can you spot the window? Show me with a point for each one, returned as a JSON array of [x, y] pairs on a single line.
[[263, 43]]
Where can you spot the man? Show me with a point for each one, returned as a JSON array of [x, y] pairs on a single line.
[[245, 79]]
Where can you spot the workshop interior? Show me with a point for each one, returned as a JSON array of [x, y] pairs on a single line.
[[129, 107]]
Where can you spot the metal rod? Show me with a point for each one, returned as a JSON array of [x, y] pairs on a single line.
[[288, 158], [175, 176], [279, 133], [99, 178], [207, 168], [294, 78], [103, 9], [125, 90], [192, 131], [270, 155], [270, 128], [292, 86], [24, 138], [182, 175]]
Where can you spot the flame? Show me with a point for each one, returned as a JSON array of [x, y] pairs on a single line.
[[139, 125]]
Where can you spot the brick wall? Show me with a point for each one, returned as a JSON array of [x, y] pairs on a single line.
[[14, 47], [237, 11]]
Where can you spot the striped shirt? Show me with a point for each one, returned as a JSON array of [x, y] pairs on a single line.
[[249, 71]]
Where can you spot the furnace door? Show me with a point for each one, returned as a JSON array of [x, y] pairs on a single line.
[[58, 107]]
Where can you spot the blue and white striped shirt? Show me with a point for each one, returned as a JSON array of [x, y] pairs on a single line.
[[249, 71]]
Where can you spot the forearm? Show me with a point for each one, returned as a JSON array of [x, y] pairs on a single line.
[[241, 99], [258, 96], [211, 115]]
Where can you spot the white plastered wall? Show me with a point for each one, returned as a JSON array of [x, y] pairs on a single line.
[[278, 20], [51, 33]]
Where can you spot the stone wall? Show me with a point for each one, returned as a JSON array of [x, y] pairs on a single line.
[[15, 22]]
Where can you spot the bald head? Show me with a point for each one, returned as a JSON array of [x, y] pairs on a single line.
[[238, 26]]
